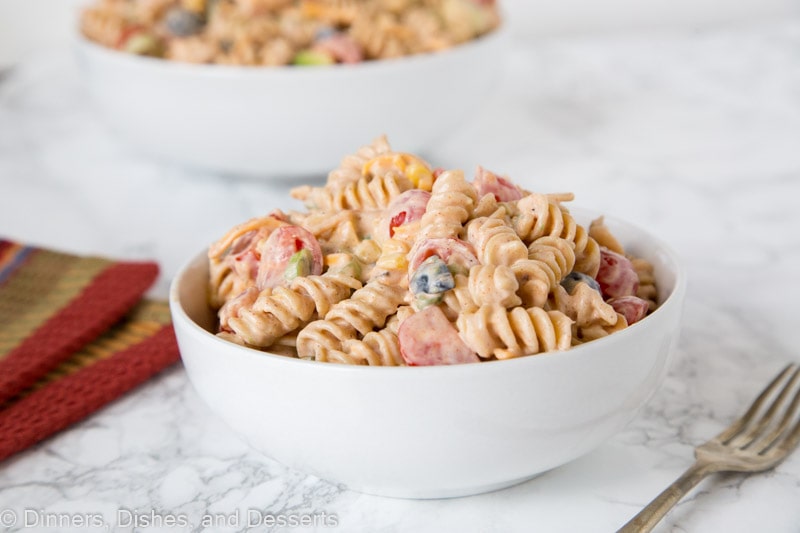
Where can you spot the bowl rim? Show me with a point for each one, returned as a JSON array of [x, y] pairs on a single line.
[[84, 44], [674, 299]]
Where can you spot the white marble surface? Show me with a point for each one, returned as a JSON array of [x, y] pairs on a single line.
[[694, 135]]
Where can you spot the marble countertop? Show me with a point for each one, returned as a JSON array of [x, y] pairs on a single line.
[[693, 135]]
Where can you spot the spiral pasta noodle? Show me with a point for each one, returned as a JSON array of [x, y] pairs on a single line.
[[459, 299], [493, 285], [104, 24], [451, 204], [375, 193], [337, 12], [485, 285], [549, 260], [489, 206], [644, 269], [322, 340], [408, 165], [382, 35], [540, 216], [598, 331], [495, 242], [381, 347], [280, 311], [338, 231], [647, 282], [493, 331], [585, 306], [351, 167], [224, 283], [228, 275], [367, 308], [603, 236], [377, 348]]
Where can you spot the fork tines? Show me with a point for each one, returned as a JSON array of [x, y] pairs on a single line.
[[772, 419]]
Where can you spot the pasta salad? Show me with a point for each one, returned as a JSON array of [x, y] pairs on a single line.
[[395, 262], [286, 32]]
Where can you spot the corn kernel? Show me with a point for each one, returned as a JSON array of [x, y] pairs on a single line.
[[393, 261], [312, 9], [367, 251], [420, 176], [197, 6], [337, 260], [397, 161]]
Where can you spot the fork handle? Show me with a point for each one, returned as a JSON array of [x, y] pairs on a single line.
[[648, 517]]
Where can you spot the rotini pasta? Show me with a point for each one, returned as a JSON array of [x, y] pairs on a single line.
[[644, 270], [489, 206], [549, 260], [279, 311], [366, 193], [339, 231], [493, 331], [351, 167], [485, 285], [603, 236], [458, 299], [382, 347], [395, 264], [450, 206], [367, 308], [106, 23], [585, 306], [539, 216], [598, 331], [495, 242], [647, 282], [233, 259], [408, 165]]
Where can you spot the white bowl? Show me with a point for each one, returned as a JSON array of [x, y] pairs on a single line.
[[431, 432], [288, 121]]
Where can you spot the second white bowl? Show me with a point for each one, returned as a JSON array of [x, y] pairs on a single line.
[[289, 121]]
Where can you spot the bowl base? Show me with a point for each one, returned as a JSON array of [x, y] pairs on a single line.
[[440, 494]]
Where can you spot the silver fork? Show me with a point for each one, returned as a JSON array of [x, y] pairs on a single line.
[[759, 440]]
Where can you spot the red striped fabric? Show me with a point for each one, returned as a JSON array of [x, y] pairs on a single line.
[[102, 303], [72, 398], [77, 335]]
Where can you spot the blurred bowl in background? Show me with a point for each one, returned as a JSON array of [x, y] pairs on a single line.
[[559, 18], [289, 121], [25, 31]]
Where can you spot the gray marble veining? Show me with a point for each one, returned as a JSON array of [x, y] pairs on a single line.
[[693, 135]]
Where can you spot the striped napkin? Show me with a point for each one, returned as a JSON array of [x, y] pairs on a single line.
[[75, 334]]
